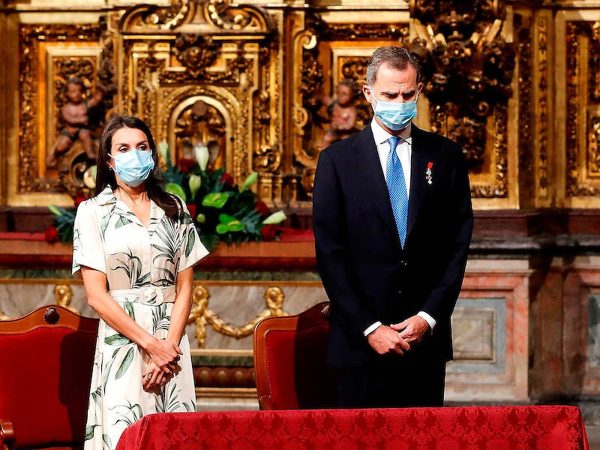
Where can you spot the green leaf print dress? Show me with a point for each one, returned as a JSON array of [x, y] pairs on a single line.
[[141, 266]]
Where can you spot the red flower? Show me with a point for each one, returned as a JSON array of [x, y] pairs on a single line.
[[430, 165], [262, 208], [51, 234], [268, 232], [80, 198], [186, 164], [227, 179]]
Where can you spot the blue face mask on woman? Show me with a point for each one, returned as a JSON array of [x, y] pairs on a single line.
[[134, 166], [394, 115]]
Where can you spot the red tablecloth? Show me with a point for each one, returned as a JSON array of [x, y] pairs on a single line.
[[468, 428]]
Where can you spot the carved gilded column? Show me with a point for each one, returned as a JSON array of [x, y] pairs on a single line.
[[533, 29], [543, 101], [4, 37], [523, 30]]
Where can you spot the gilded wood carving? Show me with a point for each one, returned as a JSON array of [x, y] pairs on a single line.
[[583, 108], [201, 315], [44, 57], [277, 85], [468, 68], [341, 50], [214, 54]]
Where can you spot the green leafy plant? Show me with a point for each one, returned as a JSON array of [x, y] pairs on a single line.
[[222, 210], [63, 224]]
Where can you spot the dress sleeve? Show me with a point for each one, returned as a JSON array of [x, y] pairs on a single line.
[[88, 249], [192, 249]]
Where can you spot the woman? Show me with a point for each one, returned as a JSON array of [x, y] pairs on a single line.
[[135, 246]]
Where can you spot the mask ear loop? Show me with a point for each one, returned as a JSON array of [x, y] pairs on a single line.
[[373, 98]]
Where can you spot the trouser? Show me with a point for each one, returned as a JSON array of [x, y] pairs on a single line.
[[414, 379]]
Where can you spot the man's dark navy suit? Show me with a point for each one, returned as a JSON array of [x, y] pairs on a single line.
[[366, 273]]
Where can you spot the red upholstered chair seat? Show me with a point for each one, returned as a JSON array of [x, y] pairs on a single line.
[[45, 375], [289, 361]]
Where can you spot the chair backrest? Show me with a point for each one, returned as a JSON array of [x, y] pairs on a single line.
[[46, 362], [290, 361]]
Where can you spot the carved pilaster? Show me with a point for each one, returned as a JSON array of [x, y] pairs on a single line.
[[583, 108], [542, 106], [526, 110]]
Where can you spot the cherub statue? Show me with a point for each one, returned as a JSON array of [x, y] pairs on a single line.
[[342, 112], [75, 114], [202, 125]]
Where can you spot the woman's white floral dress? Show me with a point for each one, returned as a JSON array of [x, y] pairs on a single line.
[[141, 267]]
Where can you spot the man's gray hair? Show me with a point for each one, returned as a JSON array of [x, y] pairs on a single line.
[[397, 57]]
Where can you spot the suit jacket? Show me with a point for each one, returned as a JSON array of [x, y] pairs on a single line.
[[366, 273]]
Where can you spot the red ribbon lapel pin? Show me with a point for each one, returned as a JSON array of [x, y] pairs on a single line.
[[428, 172]]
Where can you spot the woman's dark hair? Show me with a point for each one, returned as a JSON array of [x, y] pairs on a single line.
[[105, 176]]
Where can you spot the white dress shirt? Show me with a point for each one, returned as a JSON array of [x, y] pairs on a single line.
[[403, 150]]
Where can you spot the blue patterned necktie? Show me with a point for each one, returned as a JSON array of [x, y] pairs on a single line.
[[397, 189]]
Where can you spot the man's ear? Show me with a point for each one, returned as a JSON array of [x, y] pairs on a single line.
[[366, 89]]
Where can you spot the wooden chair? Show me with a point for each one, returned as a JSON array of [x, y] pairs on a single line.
[[289, 361], [45, 374]]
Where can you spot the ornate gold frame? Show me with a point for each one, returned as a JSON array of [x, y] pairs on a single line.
[[26, 184], [578, 108]]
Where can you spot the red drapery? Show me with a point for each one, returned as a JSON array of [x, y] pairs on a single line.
[[468, 428]]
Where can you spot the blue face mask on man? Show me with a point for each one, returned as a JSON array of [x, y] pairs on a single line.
[[394, 115], [134, 166]]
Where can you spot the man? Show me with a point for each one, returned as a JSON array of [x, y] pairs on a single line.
[[392, 220]]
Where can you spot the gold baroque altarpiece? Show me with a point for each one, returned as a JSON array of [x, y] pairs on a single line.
[[582, 119], [258, 83]]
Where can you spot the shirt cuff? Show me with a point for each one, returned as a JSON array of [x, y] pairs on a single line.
[[430, 320], [372, 328]]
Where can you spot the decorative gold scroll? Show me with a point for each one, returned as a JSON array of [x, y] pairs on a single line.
[[202, 315]]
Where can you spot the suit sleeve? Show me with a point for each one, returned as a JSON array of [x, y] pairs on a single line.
[[330, 241], [443, 297]]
